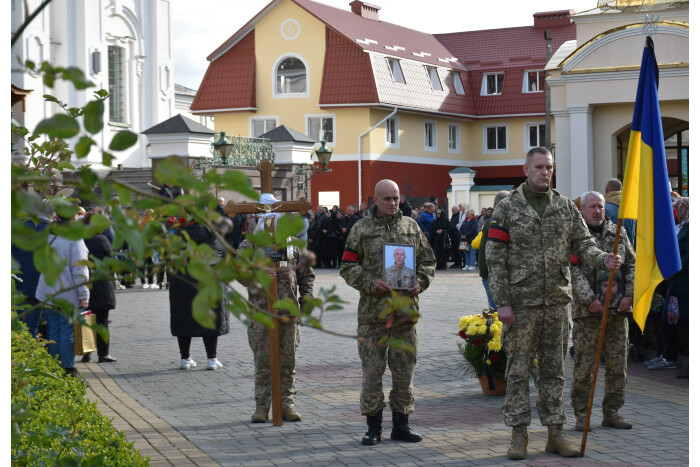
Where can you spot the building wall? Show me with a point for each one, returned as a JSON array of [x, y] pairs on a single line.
[[67, 33]]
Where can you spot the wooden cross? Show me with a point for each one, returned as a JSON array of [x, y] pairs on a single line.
[[301, 206]]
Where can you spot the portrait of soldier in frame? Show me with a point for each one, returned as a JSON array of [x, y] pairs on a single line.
[[399, 266]]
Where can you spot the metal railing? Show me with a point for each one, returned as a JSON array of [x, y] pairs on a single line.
[[246, 152]]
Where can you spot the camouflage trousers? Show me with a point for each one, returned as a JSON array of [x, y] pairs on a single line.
[[615, 349], [537, 331], [402, 364], [259, 341]]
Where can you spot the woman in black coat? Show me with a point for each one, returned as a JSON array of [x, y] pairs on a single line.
[[102, 297], [331, 241], [439, 230], [183, 289]]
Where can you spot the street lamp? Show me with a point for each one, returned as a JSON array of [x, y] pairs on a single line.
[[310, 170], [223, 146]]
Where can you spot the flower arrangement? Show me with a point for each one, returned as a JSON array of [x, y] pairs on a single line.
[[481, 345]]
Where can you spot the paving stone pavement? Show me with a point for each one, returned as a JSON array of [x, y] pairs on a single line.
[[200, 417]]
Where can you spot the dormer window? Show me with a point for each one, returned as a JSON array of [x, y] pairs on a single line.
[[492, 84], [434, 78], [533, 81], [396, 72], [291, 77], [457, 82]]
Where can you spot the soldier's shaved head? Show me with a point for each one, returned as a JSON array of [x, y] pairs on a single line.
[[386, 194]]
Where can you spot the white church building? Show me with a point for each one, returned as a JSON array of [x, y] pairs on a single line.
[[123, 46]]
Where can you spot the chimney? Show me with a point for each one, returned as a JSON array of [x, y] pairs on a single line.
[[553, 19], [365, 10]]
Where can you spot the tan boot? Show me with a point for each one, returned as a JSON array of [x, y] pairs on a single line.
[[291, 415], [558, 444], [518, 443], [581, 424], [260, 415], [616, 421]]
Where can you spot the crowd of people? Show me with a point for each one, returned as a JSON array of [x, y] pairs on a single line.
[[540, 295]]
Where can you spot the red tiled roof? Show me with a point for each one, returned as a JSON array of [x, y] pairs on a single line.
[[403, 42], [508, 50], [347, 73], [229, 82]]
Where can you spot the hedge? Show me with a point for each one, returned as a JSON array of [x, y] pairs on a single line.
[[52, 422]]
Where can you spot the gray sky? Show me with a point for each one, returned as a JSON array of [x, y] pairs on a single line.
[[199, 27]]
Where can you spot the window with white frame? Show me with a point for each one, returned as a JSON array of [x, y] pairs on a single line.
[[321, 128], [392, 132], [117, 91], [290, 77], [434, 78], [495, 138], [430, 132], [533, 81], [492, 84], [261, 125], [457, 81], [396, 72], [453, 137], [534, 135]]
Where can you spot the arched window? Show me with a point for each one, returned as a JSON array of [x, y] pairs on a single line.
[[290, 76]]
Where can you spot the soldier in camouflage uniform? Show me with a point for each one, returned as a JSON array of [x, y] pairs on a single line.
[[531, 237], [296, 275], [362, 269], [587, 310], [399, 275]]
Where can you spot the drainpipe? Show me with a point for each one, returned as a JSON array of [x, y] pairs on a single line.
[[359, 152]]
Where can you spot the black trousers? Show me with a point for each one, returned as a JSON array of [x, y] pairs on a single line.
[[209, 345]]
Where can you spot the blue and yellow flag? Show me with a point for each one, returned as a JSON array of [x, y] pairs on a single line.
[[646, 195]]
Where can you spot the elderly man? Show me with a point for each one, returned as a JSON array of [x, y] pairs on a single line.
[[426, 219], [454, 238], [589, 285], [532, 234], [362, 269], [398, 275]]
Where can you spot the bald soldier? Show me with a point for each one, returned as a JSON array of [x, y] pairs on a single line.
[[532, 235], [362, 269], [400, 276]]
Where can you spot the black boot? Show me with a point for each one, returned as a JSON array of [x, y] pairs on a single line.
[[401, 431], [374, 430]]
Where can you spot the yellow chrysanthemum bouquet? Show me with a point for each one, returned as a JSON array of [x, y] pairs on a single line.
[[481, 344]]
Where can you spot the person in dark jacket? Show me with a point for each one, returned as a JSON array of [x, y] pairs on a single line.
[[454, 238], [182, 291], [468, 231], [439, 232], [331, 240], [405, 206], [102, 298], [27, 281]]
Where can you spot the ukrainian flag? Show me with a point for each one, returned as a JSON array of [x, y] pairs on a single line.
[[646, 195]]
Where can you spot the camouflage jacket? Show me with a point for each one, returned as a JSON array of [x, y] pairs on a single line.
[[585, 280], [297, 274], [403, 277], [363, 260], [528, 256]]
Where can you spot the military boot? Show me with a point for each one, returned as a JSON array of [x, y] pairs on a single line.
[[558, 444], [518, 443], [374, 430], [401, 431], [290, 414], [260, 415]]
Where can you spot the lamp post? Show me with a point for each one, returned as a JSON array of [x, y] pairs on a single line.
[[223, 146], [310, 170]]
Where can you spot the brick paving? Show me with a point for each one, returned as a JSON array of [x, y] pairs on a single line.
[[200, 417]]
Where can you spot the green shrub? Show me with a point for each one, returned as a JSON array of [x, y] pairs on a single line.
[[52, 422]]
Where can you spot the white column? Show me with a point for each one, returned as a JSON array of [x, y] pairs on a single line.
[[581, 128], [562, 150]]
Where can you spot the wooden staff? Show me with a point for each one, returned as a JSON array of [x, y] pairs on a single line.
[[601, 340]]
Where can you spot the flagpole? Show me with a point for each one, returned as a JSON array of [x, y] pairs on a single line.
[[601, 340]]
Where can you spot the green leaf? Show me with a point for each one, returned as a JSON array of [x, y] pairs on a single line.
[[202, 307], [288, 226], [260, 238], [26, 237], [58, 126], [170, 170], [286, 304], [123, 140], [64, 208], [77, 77], [48, 262], [261, 317], [238, 181], [126, 196], [107, 158], [82, 147], [93, 116], [147, 203]]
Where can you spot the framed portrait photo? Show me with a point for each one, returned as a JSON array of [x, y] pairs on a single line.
[[399, 266]]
